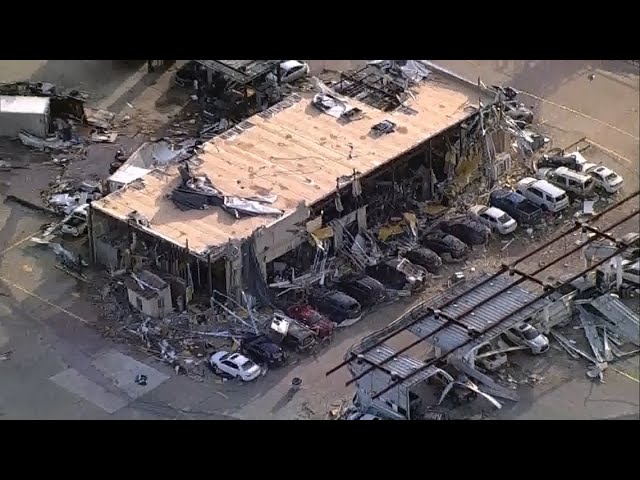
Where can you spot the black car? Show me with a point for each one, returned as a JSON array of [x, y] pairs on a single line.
[[469, 231], [185, 76], [339, 307], [425, 258], [262, 349], [442, 243], [554, 161], [398, 274], [365, 290]]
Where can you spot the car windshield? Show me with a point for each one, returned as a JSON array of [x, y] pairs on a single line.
[[504, 218], [248, 365], [611, 176], [530, 333], [559, 198], [225, 356]]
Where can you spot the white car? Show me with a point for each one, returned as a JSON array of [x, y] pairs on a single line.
[[293, 70], [235, 365], [525, 334], [494, 218], [606, 178], [543, 194]]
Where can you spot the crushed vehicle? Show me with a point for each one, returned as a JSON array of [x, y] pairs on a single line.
[[76, 223], [494, 218], [529, 336], [442, 243], [234, 365], [366, 290], [424, 257], [341, 309], [518, 207], [319, 324], [398, 274], [555, 161], [186, 74], [293, 70], [290, 334], [263, 350], [540, 192], [606, 179], [632, 239], [517, 111], [469, 231], [570, 181], [490, 359]]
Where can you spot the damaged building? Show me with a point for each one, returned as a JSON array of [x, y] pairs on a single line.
[[308, 168], [412, 398]]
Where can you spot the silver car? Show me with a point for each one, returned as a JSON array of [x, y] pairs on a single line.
[[529, 336]]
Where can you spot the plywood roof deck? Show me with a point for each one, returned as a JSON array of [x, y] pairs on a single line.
[[297, 154]]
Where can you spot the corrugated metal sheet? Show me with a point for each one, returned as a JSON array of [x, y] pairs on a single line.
[[481, 318], [401, 365], [620, 315], [296, 153]]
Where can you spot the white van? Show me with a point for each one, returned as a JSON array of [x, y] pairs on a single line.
[[568, 180], [543, 194]]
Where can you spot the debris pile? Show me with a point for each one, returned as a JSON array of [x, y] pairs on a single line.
[[197, 192]]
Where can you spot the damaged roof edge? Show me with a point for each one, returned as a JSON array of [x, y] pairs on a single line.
[[150, 231]]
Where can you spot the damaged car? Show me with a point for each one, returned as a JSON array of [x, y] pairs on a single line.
[[234, 365], [76, 223], [469, 231], [529, 336], [367, 291], [442, 243], [339, 307], [605, 178], [518, 207], [540, 192], [398, 274], [293, 70], [494, 218], [187, 74], [569, 180], [425, 258], [312, 319], [263, 350]]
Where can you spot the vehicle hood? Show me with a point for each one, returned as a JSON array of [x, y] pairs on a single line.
[[218, 355], [539, 341]]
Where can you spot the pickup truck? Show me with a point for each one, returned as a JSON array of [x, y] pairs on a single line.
[[522, 210]]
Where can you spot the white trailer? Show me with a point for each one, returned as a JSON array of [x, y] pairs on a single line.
[[19, 113]]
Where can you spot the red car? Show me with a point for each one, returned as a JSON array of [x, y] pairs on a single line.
[[315, 321]]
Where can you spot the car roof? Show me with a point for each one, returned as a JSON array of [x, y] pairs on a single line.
[[289, 64], [238, 359], [526, 181], [548, 188], [567, 172], [604, 171], [494, 212], [340, 296]]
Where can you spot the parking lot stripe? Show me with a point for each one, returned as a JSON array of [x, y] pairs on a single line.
[[19, 242], [44, 300], [625, 375]]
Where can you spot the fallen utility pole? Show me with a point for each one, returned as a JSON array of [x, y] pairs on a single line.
[[492, 277], [524, 277]]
